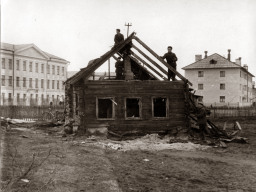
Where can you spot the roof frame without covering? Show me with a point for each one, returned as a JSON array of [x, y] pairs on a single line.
[[87, 71]]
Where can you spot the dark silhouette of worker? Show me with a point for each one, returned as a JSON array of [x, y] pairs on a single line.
[[202, 112], [119, 69], [119, 37], [171, 60]]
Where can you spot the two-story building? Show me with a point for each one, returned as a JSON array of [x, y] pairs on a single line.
[[221, 81], [30, 76]]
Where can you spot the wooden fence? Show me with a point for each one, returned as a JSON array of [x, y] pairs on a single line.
[[27, 112], [233, 112]]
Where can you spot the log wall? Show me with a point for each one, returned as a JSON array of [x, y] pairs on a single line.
[[146, 90]]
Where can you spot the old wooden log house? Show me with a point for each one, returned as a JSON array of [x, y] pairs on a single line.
[[144, 101]]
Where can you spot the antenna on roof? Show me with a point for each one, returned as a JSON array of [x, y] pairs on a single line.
[[128, 26]]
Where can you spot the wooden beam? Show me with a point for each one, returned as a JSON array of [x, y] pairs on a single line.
[[150, 60], [161, 60], [114, 57], [150, 67], [150, 73], [86, 72], [143, 66]]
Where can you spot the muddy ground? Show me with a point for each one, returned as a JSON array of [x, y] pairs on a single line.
[[42, 160]]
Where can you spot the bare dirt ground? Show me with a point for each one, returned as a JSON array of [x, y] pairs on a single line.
[[42, 160]]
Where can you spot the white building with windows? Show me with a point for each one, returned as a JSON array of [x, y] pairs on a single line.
[[220, 81], [30, 76]]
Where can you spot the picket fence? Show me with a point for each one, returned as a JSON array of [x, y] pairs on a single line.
[[219, 112], [27, 112]]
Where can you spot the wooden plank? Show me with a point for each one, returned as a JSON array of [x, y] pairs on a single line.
[[150, 60], [161, 60], [150, 67]]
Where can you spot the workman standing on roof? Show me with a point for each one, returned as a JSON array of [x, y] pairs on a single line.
[[119, 37], [171, 60]]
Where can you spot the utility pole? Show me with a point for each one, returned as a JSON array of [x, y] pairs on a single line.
[[128, 26]]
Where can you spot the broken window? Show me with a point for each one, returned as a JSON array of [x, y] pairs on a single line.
[[160, 107], [133, 109], [105, 108]]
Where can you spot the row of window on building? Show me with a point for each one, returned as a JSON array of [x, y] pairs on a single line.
[[201, 86], [51, 84], [223, 87], [105, 108], [222, 99], [32, 100], [54, 68], [201, 74], [223, 74]]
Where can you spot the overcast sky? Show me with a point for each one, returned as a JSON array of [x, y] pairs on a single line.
[[81, 30]]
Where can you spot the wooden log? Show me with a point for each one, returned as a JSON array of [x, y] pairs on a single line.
[[162, 61]]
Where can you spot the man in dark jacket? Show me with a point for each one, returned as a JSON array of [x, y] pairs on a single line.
[[171, 60], [119, 69], [119, 37], [201, 120]]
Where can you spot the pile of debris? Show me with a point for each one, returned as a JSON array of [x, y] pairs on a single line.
[[219, 135], [150, 142]]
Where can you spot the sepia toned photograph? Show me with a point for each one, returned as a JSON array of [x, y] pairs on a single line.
[[128, 96]]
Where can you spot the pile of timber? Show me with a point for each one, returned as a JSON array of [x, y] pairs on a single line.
[[213, 131]]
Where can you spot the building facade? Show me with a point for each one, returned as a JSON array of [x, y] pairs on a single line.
[[220, 81], [30, 76]]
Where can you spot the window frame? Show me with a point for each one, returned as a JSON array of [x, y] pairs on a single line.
[[17, 65], [223, 72], [17, 81], [222, 86], [3, 80], [201, 73], [199, 86], [24, 66], [113, 108], [166, 108], [221, 100], [3, 63], [10, 84], [30, 66], [140, 109]]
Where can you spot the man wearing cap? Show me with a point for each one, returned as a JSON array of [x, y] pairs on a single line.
[[171, 60], [119, 37]]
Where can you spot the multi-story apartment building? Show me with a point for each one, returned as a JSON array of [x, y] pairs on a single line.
[[30, 76], [221, 81]]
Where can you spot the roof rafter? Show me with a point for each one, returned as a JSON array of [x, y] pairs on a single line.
[[162, 61], [146, 64], [86, 72]]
